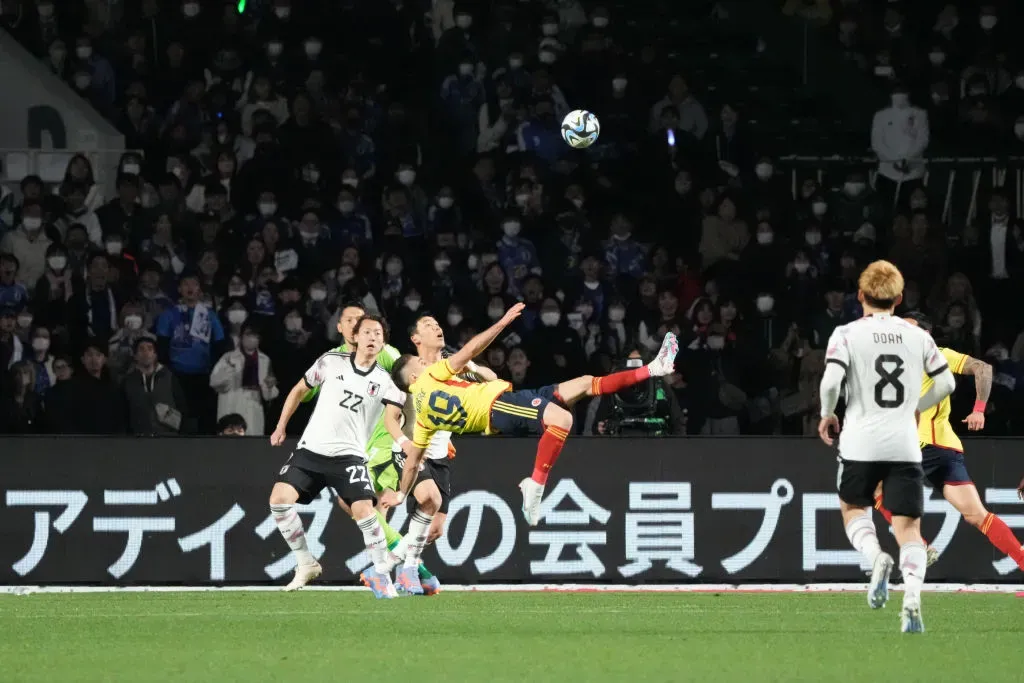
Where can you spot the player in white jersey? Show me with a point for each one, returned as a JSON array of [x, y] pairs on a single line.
[[432, 489], [882, 360], [332, 449]]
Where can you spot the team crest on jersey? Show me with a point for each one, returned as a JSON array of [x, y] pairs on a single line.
[[535, 402], [372, 389]]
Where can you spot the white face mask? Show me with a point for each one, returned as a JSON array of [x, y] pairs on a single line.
[[599, 22], [346, 206], [313, 48], [83, 51], [344, 276], [274, 49], [283, 12], [237, 291], [937, 58], [41, 344], [765, 238], [267, 208], [393, 269], [133, 322], [522, 200], [547, 57], [765, 303], [515, 63], [801, 266], [511, 228], [495, 312], [900, 100], [472, 261], [445, 202], [311, 175], [237, 316], [884, 71], [407, 177], [853, 188], [24, 321], [114, 248], [190, 9], [413, 304], [591, 285], [293, 323], [317, 294], [441, 265], [82, 81], [716, 343], [619, 84], [350, 182], [454, 319], [132, 169], [57, 262], [465, 69], [819, 208], [463, 21], [764, 171], [549, 29], [32, 223], [616, 314], [812, 238], [988, 21], [550, 318]]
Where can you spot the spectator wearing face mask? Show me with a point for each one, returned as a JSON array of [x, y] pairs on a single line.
[[763, 260], [244, 382], [769, 188], [314, 245], [449, 284], [28, 244], [41, 359], [768, 328], [21, 408], [101, 84], [122, 345], [692, 117], [899, 137], [151, 292], [802, 285], [517, 255], [855, 203], [999, 234], [462, 95], [350, 226], [155, 401], [625, 256], [235, 315]]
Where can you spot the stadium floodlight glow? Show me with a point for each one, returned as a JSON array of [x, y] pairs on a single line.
[[241, 6]]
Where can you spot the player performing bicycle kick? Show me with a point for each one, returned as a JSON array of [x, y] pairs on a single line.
[[444, 403], [331, 452]]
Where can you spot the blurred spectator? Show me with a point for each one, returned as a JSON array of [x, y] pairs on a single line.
[[21, 408], [96, 402], [900, 137], [245, 382], [154, 400], [232, 424]]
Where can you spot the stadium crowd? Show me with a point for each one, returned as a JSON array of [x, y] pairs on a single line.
[[406, 156]]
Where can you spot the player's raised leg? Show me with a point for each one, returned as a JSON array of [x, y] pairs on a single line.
[[964, 497], [573, 390], [283, 498]]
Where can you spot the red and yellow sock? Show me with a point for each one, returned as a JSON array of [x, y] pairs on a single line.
[[609, 384], [1003, 538], [548, 450]]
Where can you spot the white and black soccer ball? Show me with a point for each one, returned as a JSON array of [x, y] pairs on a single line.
[[580, 129]]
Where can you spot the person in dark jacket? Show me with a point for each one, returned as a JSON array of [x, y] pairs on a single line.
[[155, 401], [21, 408], [97, 402]]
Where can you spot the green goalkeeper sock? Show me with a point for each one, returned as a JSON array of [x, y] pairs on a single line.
[[390, 535], [424, 572]]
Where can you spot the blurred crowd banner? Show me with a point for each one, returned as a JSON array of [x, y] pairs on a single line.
[[717, 510], [959, 186]]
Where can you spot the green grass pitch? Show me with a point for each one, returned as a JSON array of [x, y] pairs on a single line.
[[497, 637]]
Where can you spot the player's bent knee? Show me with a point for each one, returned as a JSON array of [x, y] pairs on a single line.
[[361, 509], [283, 494], [556, 416]]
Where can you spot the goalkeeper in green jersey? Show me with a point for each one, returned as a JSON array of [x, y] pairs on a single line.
[[383, 474]]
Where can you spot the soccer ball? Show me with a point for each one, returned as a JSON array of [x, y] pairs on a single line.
[[580, 129]]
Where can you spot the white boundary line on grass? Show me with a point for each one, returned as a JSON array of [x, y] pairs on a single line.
[[536, 588]]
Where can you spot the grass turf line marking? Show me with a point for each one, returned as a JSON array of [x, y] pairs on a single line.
[[540, 588]]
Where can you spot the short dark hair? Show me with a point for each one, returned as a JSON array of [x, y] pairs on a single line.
[[231, 421], [370, 317], [397, 375], [923, 321], [414, 325]]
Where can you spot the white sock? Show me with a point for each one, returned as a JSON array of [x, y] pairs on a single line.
[[913, 563], [397, 554], [290, 525], [373, 539], [419, 525], [861, 532]]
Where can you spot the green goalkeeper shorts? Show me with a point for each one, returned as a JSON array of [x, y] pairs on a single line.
[[383, 474]]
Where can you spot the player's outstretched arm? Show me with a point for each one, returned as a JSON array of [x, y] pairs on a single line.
[[291, 404], [982, 373], [475, 346], [484, 373]]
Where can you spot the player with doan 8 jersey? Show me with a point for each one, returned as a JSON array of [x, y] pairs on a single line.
[[882, 360], [331, 452]]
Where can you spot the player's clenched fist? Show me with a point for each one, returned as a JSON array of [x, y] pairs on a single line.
[[827, 427], [277, 438]]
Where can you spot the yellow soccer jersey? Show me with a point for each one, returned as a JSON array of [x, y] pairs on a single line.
[[934, 428], [446, 403]]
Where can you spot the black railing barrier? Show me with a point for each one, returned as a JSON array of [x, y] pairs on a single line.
[[618, 510]]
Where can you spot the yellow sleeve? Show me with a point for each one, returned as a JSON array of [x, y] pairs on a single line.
[[441, 371], [421, 434], [956, 360]]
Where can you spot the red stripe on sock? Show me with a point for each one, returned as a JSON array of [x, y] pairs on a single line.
[[609, 384], [548, 450], [1003, 538]]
